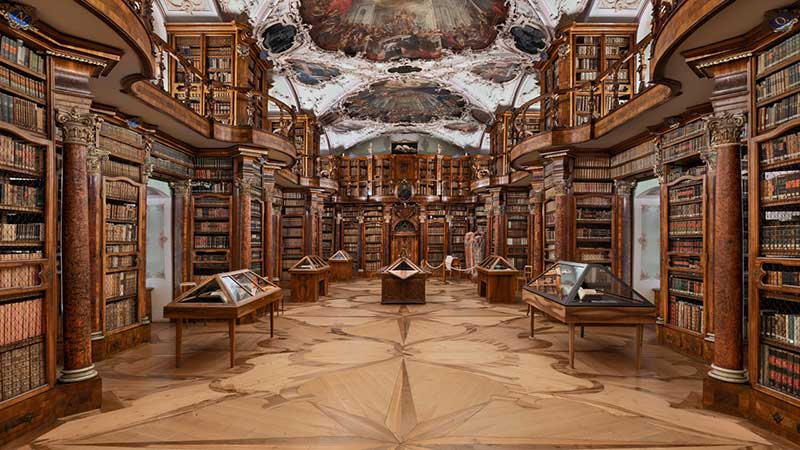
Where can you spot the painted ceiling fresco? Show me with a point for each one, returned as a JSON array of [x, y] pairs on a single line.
[[369, 68], [405, 101], [384, 30]]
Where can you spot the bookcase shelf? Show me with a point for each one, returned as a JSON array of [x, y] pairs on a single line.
[[373, 238], [211, 253], [517, 229], [27, 223], [686, 296], [293, 230], [436, 238]]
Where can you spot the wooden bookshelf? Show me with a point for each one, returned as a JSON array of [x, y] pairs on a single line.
[[373, 238], [427, 177], [257, 241], [517, 231], [213, 51], [593, 210], [436, 236], [351, 235], [686, 302], [27, 224], [211, 235], [774, 225], [461, 218], [293, 229], [328, 231]]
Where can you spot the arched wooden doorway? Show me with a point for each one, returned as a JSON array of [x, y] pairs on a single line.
[[405, 241]]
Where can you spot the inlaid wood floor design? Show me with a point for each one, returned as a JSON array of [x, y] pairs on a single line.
[[349, 373]]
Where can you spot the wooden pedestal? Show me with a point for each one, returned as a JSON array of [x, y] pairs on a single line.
[[396, 291], [497, 286], [341, 270], [308, 285]]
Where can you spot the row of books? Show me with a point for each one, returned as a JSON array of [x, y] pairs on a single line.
[[211, 257], [694, 246], [594, 255], [16, 51], [22, 368], [686, 228], [685, 314], [23, 276], [690, 210], [20, 195], [785, 50], [637, 165], [121, 232], [292, 222], [588, 63], [121, 134], [593, 214], [680, 149], [779, 112], [204, 187], [685, 194], [22, 83], [685, 262], [211, 242], [120, 248], [778, 83], [112, 168], [122, 149], [593, 233], [689, 129], [595, 173], [779, 370], [583, 103], [172, 167], [22, 113], [783, 185], [121, 262], [21, 320], [780, 326], [211, 213], [292, 243], [20, 154], [120, 314], [10, 232], [120, 284], [782, 278], [214, 163], [593, 201], [211, 227], [780, 238], [122, 191], [517, 241], [213, 173], [292, 232], [686, 286], [595, 187], [20, 255], [127, 211], [780, 149], [676, 172]]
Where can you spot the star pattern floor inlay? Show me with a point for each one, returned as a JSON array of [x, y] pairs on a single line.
[[350, 373]]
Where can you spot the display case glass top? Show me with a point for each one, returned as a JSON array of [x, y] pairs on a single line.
[[403, 268], [310, 263], [576, 284], [495, 262], [341, 255], [228, 289]]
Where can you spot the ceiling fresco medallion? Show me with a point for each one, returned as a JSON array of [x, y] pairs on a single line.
[[497, 71], [312, 74], [405, 101], [385, 30]]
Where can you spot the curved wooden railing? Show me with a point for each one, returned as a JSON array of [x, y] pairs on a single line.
[[551, 114], [662, 11]]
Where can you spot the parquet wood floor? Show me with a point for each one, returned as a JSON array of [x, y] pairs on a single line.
[[349, 373]]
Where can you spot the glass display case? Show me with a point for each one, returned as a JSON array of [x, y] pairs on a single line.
[[341, 266], [402, 282], [228, 297], [577, 284], [587, 295], [497, 279], [341, 255], [309, 279]]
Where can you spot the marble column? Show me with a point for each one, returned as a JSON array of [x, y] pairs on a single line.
[[725, 139], [181, 245], [79, 133], [537, 232], [624, 229], [561, 194], [245, 187], [94, 180]]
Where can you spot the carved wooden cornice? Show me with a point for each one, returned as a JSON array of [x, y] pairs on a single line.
[[94, 160], [561, 187]]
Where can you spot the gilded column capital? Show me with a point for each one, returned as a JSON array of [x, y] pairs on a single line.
[[536, 197], [624, 188], [561, 187], [79, 129], [182, 188], [709, 157], [725, 130], [245, 184], [94, 160]]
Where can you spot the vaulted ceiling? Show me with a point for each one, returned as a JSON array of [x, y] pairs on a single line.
[[373, 67]]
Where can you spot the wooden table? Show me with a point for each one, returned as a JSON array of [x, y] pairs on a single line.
[[595, 316]]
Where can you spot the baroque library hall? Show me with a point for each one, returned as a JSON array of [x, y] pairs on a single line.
[[399, 224]]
